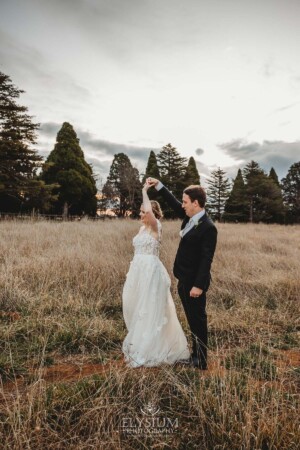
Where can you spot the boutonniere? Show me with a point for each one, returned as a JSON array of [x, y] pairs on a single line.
[[197, 225]]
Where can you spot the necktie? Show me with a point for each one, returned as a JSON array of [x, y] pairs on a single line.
[[187, 228]]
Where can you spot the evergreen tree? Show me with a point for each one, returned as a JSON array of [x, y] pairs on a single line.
[[191, 175], [273, 175], [172, 168], [291, 193], [236, 204], [123, 187], [217, 193], [276, 208], [264, 196], [42, 198], [19, 162], [152, 169], [67, 167]]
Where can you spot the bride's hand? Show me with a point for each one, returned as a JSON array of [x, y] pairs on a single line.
[[146, 185], [152, 181]]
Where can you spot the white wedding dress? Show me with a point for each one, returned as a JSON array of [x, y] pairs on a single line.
[[154, 334]]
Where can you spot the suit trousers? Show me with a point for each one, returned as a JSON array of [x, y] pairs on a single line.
[[195, 311]]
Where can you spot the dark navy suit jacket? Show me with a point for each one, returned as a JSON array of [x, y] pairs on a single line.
[[196, 249]]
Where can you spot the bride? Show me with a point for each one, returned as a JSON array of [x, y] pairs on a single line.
[[154, 334]]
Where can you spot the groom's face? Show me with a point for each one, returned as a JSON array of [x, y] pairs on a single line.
[[190, 207]]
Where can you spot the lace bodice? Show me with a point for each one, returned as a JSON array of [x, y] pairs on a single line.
[[145, 243]]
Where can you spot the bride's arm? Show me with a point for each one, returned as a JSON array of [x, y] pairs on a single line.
[[148, 208]]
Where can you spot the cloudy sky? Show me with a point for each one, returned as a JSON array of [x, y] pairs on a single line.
[[219, 79]]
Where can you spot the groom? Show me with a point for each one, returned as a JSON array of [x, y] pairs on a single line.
[[193, 261]]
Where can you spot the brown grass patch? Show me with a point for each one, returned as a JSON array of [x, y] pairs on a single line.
[[64, 382]]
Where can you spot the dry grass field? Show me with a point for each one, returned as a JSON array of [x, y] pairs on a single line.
[[64, 384]]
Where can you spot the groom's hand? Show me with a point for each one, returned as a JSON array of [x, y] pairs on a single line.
[[195, 292], [152, 181]]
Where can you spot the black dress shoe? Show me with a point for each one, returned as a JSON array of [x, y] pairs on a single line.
[[184, 362], [198, 364]]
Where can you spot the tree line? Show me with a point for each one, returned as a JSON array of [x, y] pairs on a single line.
[[66, 184], [122, 190], [253, 196]]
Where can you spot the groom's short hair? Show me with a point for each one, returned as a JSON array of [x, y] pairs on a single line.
[[196, 192]]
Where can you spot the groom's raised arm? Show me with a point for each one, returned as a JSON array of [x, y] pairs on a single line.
[[175, 204]]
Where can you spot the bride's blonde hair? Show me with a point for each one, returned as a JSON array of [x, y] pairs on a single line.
[[156, 209]]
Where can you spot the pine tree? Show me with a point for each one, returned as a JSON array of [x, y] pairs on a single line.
[[123, 187], [152, 169], [273, 175], [42, 198], [263, 194], [217, 193], [277, 208], [236, 204], [172, 168], [291, 193], [254, 176], [67, 167], [19, 162], [191, 175]]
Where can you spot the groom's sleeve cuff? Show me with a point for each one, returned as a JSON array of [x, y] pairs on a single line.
[[159, 186]]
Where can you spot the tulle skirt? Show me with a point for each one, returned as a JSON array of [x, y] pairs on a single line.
[[155, 335]]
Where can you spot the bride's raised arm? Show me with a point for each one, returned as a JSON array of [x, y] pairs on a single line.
[[148, 208]]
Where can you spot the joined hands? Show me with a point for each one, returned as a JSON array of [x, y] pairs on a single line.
[[152, 181], [147, 185]]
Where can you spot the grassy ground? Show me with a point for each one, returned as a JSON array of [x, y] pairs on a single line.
[[64, 383]]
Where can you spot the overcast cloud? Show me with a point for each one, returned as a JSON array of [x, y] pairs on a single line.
[[277, 154]]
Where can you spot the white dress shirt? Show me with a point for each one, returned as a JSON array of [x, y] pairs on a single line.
[[194, 220]]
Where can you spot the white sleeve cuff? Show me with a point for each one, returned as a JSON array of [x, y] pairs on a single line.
[[159, 186]]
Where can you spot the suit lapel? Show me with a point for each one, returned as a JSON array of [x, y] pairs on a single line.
[[195, 227], [184, 222]]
